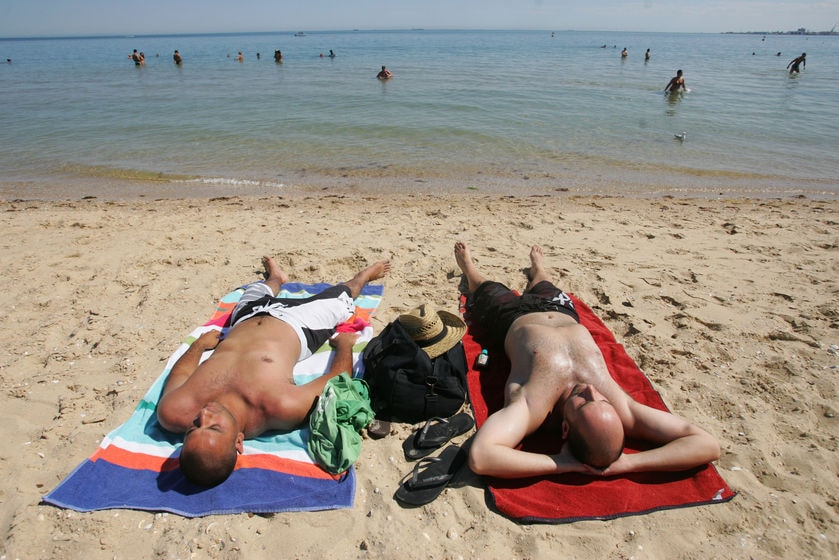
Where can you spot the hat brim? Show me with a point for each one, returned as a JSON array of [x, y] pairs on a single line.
[[454, 329]]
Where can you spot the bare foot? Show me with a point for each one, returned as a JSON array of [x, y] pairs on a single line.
[[464, 260], [462, 256], [373, 272], [376, 270], [276, 277], [274, 271], [537, 269], [536, 257]]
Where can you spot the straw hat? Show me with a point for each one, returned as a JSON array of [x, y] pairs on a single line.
[[433, 332]]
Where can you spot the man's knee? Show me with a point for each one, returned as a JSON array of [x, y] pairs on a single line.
[[477, 460]]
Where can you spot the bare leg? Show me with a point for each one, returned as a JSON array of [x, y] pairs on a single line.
[[537, 268], [276, 277], [372, 272], [464, 261]]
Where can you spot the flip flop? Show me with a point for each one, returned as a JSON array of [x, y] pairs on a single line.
[[434, 434], [425, 484]]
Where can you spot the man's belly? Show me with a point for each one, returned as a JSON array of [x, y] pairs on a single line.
[[263, 335]]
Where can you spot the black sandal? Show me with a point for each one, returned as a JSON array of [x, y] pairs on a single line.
[[425, 484], [434, 434]]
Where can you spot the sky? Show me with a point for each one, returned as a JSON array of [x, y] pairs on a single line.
[[48, 18]]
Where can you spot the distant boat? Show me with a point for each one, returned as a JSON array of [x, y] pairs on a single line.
[[299, 34]]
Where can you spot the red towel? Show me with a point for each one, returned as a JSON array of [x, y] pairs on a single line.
[[574, 497]]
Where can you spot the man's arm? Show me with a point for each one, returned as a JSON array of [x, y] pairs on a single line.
[[169, 412], [341, 362], [493, 450], [188, 363], [296, 405], [682, 445]]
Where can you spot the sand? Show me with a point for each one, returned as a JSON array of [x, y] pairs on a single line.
[[730, 307]]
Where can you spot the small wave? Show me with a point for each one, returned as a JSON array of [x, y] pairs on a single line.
[[224, 181]]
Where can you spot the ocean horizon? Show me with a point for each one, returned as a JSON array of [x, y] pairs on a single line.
[[488, 111]]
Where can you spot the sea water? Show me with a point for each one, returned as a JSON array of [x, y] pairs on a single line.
[[500, 111]]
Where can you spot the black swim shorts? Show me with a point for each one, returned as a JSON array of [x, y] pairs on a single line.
[[493, 308]]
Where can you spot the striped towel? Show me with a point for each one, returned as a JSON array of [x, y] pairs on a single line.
[[136, 465]]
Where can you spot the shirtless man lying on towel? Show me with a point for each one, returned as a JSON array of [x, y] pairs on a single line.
[[246, 387], [559, 374]]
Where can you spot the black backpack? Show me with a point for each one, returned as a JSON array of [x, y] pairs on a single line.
[[408, 386]]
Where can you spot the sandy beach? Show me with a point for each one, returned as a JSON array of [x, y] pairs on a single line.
[[730, 306]]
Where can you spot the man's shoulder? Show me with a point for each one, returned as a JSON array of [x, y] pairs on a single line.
[[176, 409]]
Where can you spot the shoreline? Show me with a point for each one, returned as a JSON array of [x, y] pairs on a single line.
[[729, 306], [108, 189]]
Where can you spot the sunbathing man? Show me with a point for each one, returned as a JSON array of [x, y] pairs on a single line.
[[246, 386], [559, 375]]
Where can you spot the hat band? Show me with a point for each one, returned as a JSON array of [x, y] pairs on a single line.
[[434, 339]]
